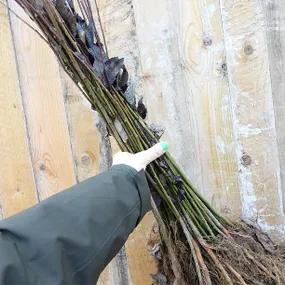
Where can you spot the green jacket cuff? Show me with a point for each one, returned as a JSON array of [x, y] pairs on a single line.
[[139, 178]]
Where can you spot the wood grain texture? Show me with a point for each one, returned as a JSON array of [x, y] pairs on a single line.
[[84, 137], [185, 84], [159, 69], [44, 106], [17, 189], [141, 263], [274, 17], [205, 89], [253, 114]]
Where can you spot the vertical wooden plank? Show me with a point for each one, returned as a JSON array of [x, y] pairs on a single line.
[[17, 189], [44, 106], [161, 73], [141, 263], [119, 27], [84, 137], [274, 12], [203, 83], [183, 65], [253, 113]]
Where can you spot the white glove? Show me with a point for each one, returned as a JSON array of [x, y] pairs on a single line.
[[141, 159]]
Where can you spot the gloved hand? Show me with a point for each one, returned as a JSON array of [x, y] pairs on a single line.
[[141, 159]]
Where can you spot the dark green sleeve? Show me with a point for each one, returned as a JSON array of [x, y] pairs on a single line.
[[70, 237]]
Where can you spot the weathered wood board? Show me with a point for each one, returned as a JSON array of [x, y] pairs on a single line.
[[16, 173], [253, 114], [274, 18], [211, 72], [183, 65], [41, 90]]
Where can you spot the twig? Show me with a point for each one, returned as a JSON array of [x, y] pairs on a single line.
[[24, 21]]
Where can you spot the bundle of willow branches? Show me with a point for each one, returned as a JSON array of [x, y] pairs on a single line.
[[201, 246]]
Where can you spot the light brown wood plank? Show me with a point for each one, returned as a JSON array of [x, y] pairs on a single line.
[[44, 106], [141, 263], [253, 114], [204, 85], [274, 17], [85, 139], [17, 189], [182, 60]]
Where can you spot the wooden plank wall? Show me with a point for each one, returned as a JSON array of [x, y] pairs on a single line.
[[211, 72]]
